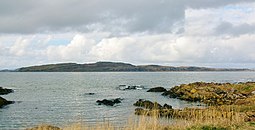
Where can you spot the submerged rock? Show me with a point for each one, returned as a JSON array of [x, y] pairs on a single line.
[[4, 91], [157, 89], [89, 94], [110, 102], [4, 102]]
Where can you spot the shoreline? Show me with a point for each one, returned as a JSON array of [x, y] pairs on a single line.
[[235, 113]]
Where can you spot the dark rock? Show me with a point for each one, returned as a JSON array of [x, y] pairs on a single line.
[[4, 91], [166, 106], [157, 89], [153, 109], [139, 111], [89, 93], [4, 102], [110, 102], [147, 104]]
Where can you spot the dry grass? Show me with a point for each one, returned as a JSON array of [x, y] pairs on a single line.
[[211, 118]]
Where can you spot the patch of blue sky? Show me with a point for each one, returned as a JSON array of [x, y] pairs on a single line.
[[243, 8], [59, 41]]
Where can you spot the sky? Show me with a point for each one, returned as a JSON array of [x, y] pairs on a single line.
[[210, 33]]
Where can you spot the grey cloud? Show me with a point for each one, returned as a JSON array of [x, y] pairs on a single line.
[[31, 16], [230, 29]]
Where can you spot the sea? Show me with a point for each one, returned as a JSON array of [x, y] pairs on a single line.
[[63, 98]]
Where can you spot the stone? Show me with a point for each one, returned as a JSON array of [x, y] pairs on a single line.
[[4, 91], [157, 89], [132, 87], [110, 102], [147, 104], [166, 106], [4, 102]]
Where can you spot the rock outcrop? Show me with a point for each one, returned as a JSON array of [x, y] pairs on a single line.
[[108, 102], [4, 102], [212, 93], [157, 89], [4, 91], [149, 108]]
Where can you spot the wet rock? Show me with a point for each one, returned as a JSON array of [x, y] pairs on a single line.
[[110, 102], [4, 102], [45, 127], [153, 109], [147, 104], [4, 91], [139, 111], [157, 89], [89, 94], [166, 106], [130, 87]]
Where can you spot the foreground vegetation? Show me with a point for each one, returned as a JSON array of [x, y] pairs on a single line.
[[229, 107]]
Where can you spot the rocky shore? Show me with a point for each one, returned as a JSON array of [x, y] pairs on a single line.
[[223, 100], [214, 93], [4, 102]]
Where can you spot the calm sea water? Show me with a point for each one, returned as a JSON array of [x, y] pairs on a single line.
[[60, 98]]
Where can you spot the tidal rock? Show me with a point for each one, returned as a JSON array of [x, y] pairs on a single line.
[[4, 102], [89, 94], [157, 89], [110, 102], [166, 106], [153, 109], [4, 91], [147, 104], [130, 87]]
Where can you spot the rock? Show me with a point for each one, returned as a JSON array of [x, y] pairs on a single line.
[[147, 104], [166, 106], [132, 87], [4, 102], [153, 109], [45, 127], [89, 93], [157, 89], [139, 111], [110, 102], [212, 93], [4, 91]]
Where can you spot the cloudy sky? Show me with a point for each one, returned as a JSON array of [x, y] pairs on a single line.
[[212, 33]]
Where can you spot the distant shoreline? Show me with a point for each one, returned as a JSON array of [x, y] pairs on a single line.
[[118, 67]]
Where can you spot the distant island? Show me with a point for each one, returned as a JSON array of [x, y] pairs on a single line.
[[114, 67]]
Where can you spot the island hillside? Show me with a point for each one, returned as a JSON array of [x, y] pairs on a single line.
[[114, 67]]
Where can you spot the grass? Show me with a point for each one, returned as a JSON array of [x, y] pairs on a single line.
[[211, 118]]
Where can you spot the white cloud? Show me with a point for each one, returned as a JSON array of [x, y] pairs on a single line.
[[205, 39], [77, 50]]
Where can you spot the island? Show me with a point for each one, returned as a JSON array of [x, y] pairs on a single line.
[[115, 67]]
